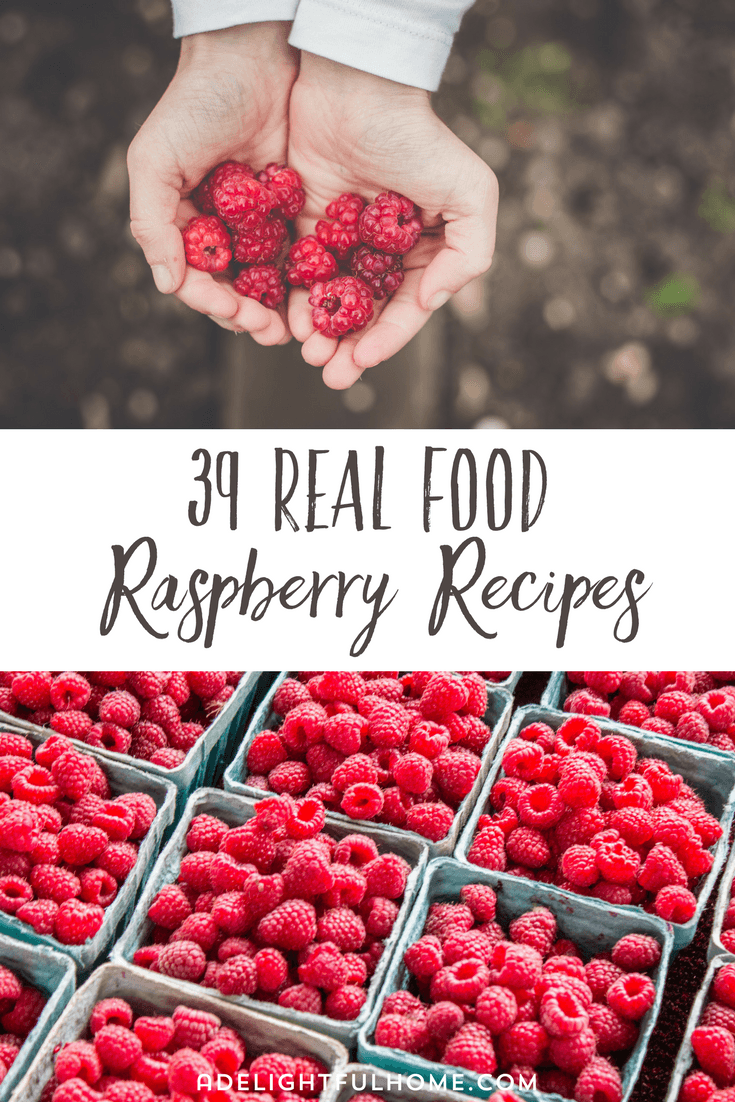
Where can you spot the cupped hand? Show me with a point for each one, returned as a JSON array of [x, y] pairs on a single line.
[[227, 101], [354, 132]]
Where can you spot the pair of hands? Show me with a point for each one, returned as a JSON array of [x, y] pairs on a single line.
[[243, 94]]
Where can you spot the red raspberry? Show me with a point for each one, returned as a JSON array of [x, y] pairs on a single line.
[[497, 1008], [488, 849], [239, 199], [631, 995], [387, 875], [413, 773], [571, 1054], [291, 925], [144, 809], [22, 1018], [72, 724], [207, 244], [119, 707], [675, 904], [14, 892], [614, 1034], [661, 868], [32, 689], [341, 306], [40, 914], [285, 185], [443, 1019], [718, 708], [307, 263], [324, 967], [357, 769], [343, 927], [263, 282], [455, 772], [117, 1046], [636, 952], [390, 223], [260, 245], [362, 801], [194, 1028], [723, 985], [118, 859], [356, 850], [587, 702], [52, 882], [521, 760], [528, 847], [301, 997], [69, 692], [266, 752], [429, 739], [617, 863], [380, 917], [79, 844], [170, 907], [600, 974], [697, 1087], [471, 1047], [342, 685], [714, 1048], [599, 1081], [383, 274], [78, 1060], [237, 976], [183, 960], [97, 886], [345, 1004], [77, 921], [185, 1069], [424, 957], [291, 777], [290, 693], [693, 727], [536, 928], [524, 1043], [35, 785], [562, 1012], [515, 966], [540, 806]]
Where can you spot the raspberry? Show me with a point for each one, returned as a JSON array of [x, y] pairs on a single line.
[[380, 917], [32, 689], [424, 957], [636, 952], [341, 306], [540, 806], [357, 769], [675, 904], [343, 927], [413, 773], [291, 925], [119, 707], [117, 1047], [260, 245], [237, 976], [183, 960], [714, 1048], [587, 702], [14, 892], [599, 1081], [307, 263], [497, 1008], [382, 272], [79, 844], [562, 1012], [536, 928], [118, 859], [170, 907], [77, 921], [193, 1028], [263, 282], [528, 847], [723, 985], [239, 199], [387, 875], [614, 1034], [362, 801], [390, 223], [207, 244], [291, 777], [661, 868], [631, 995], [144, 809], [185, 1069], [301, 997], [693, 727], [285, 185], [524, 1043], [471, 1047], [69, 692], [52, 882], [697, 1087], [455, 771], [515, 965], [571, 1054], [78, 1060], [617, 863], [266, 751], [718, 708], [717, 1014], [443, 1019]]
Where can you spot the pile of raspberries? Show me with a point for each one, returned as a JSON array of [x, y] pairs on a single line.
[[403, 751], [579, 809], [20, 1008], [713, 1042], [130, 1058], [278, 910], [522, 1002], [156, 717], [245, 219], [697, 707], [66, 846]]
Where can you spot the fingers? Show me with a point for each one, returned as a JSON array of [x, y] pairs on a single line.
[[469, 235], [226, 308], [299, 314], [154, 203], [400, 320]]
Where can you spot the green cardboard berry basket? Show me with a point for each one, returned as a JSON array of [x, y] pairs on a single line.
[[716, 948], [365, 1078], [205, 761], [556, 692], [711, 774], [594, 927], [53, 974], [685, 1055], [236, 810], [151, 994], [497, 717], [122, 778]]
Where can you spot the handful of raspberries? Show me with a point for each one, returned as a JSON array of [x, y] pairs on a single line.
[[66, 845], [354, 258], [403, 751], [520, 1001], [278, 910], [579, 808], [138, 1058]]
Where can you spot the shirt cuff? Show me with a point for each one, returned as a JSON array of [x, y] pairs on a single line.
[[195, 16], [410, 46]]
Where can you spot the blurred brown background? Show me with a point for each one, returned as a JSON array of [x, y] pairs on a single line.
[[610, 124]]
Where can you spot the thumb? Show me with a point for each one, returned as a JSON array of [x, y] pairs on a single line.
[[154, 204], [469, 235]]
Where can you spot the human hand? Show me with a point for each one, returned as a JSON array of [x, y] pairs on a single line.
[[227, 101], [354, 132]]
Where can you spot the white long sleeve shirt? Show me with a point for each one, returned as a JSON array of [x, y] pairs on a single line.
[[403, 40]]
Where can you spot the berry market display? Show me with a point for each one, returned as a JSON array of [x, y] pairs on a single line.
[[402, 751], [354, 258], [152, 716]]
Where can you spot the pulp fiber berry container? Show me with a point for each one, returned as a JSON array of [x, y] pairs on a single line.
[[497, 717], [236, 810], [593, 926], [559, 688], [365, 1078], [685, 1056], [716, 948], [153, 995], [204, 762], [711, 774], [55, 976], [122, 778]]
